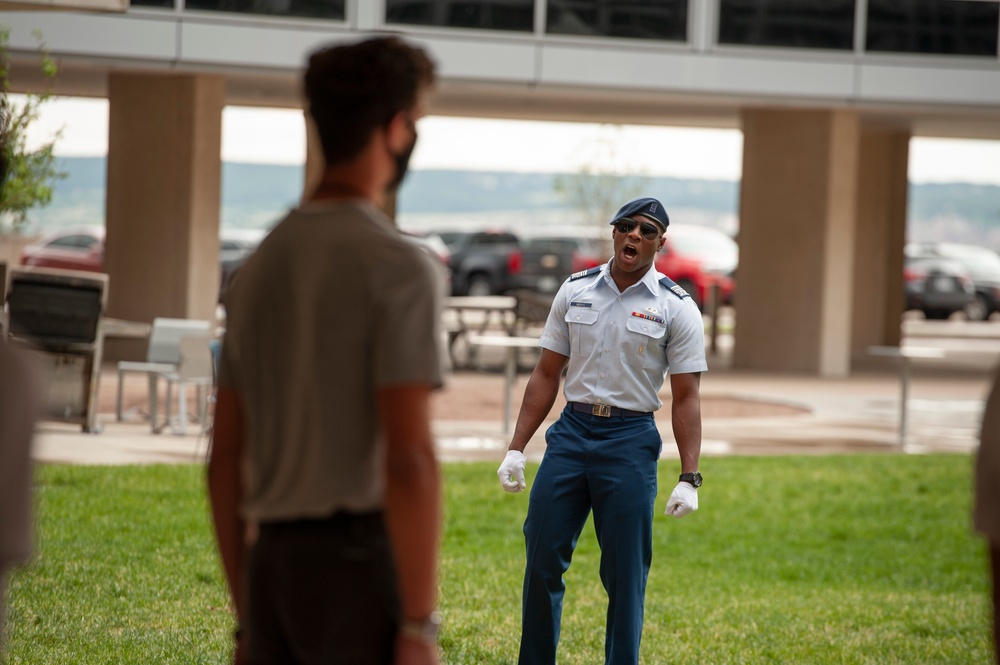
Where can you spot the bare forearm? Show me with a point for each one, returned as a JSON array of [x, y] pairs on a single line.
[[225, 491], [539, 396], [413, 517], [412, 495], [686, 424]]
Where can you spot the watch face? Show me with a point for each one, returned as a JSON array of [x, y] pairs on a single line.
[[693, 478]]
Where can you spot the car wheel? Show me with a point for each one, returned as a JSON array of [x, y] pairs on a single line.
[[479, 285], [978, 309]]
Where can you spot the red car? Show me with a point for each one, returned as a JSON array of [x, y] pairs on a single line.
[[77, 248], [698, 257]]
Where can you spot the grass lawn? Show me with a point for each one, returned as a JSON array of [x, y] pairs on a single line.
[[845, 559]]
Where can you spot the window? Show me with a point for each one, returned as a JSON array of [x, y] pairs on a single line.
[[637, 19], [820, 24], [951, 27], [326, 9], [168, 4], [514, 15], [74, 242]]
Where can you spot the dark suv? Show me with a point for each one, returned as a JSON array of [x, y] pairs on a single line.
[[482, 263], [548, 260], [984, 269]]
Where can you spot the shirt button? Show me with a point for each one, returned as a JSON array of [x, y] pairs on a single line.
[[619, 298], [645, 329]]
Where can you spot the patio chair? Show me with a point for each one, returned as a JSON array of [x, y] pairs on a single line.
[[196, 366], [162, 355]]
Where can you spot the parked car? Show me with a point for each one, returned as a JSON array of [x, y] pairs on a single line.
[[698, 258], [983, 265], [482, 262], [546, 261], [75, 248], [82, 248], [937, 287]]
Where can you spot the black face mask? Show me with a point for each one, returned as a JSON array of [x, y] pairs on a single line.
[[402, 163]]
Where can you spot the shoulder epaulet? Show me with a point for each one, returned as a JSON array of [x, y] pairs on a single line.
[[585, 273], [674, 288]]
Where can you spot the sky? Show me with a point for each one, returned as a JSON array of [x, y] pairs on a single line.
[[277, 136]]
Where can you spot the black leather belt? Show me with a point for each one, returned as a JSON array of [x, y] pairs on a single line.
[[605, 410]]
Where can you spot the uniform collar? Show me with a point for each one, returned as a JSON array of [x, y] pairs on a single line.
[[649, 280]]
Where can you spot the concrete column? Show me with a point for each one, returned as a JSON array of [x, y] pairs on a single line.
[[881, 234], [164, 178], [797, 218]]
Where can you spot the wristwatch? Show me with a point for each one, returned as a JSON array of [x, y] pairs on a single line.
[[693, 478], [425, 630]]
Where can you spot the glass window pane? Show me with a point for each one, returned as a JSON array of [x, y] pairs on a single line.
[[954, 27], [327, 9], [152, 3], [823, 24], [518, 15], [637, 19]]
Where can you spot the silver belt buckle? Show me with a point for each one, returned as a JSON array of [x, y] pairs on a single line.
[[602, 410]]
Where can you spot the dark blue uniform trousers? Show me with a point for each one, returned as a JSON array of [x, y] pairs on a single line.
[[608, 465]]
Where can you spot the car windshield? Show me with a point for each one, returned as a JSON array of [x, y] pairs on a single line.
[[702, 243], [553, 244], [976, 258]]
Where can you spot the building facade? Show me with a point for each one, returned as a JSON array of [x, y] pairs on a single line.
[[826, 92]]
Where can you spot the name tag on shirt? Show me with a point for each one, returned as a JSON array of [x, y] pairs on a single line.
[[577, 303]]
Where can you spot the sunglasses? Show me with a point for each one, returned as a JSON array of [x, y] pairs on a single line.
[[648, 231]]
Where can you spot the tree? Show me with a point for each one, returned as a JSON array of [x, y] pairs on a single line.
[[28, 175], [601, 185]]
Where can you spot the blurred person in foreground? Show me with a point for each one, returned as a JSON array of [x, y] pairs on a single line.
[[322, 432], [19, 407], [986, 512], [19, 404], [618, 329]]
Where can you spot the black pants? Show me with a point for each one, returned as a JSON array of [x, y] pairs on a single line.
[[322, 591]]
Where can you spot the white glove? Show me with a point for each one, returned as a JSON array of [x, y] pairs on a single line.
[[511, 472], [683, 500]]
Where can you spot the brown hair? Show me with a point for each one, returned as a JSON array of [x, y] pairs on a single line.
[[354, 89]]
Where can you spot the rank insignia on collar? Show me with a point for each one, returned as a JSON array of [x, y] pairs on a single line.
[[674, 288], [585, 273]]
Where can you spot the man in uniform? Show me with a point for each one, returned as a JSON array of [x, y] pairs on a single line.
[[617, 329], [322, 431]]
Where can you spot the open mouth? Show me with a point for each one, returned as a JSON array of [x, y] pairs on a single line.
[[630, 251]]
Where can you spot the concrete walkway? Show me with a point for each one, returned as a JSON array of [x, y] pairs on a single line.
[[744, 413]]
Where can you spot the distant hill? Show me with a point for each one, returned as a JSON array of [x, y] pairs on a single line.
[[255, 196]]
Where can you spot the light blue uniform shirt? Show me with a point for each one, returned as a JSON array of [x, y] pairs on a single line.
[[622, 344]]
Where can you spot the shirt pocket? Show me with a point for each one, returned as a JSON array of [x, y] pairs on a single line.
[[641, 347], [582, 331]]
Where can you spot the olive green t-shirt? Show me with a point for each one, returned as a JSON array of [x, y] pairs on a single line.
[[332, 306]]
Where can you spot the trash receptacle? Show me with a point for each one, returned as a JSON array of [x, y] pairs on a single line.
[[56, 316]]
